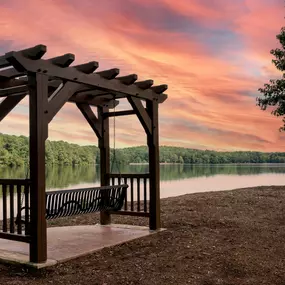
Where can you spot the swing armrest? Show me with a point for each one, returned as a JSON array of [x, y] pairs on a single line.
[[19, 219]]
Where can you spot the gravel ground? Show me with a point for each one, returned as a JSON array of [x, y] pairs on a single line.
[[228, 237]]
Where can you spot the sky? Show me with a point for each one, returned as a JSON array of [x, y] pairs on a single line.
[[213, 54]]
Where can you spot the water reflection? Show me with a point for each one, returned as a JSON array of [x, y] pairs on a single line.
[[175, 179], [70, 177]]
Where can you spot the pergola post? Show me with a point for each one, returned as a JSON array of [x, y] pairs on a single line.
[[153, 150], [38, 102], [104, 146]]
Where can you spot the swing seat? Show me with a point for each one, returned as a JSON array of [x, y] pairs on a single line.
[[63, 203]]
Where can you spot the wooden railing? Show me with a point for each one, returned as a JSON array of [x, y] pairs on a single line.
[[137, 198], [14, 194]]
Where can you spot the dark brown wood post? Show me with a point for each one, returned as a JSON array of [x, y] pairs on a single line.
[[104, 146], [38, 91], [153, 150]]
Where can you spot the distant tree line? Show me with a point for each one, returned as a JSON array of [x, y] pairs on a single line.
[[14, 152]]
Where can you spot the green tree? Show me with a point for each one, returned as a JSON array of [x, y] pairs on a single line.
[[274, 91]]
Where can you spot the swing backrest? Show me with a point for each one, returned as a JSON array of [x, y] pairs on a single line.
[[65, 203]]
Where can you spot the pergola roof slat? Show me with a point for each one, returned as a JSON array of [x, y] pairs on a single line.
[[4, 62], [13, 90], [88, 67], [58, 68], [144, 84], [11, 73], [128, 79], [159, 88], [63, 60], [35, 52], [109, 74], [9, 83]]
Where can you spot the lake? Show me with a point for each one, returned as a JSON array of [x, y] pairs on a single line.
[[176, 179]]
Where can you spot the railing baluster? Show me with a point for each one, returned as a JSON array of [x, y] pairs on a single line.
[[141, 191], [126, 198], [4, 190], [27, 218], [113, 180], [12, 227], [138, 195], [145, 195], [132, 194], [15, 196], [19, 205]]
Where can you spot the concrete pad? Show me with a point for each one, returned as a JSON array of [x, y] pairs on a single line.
[[66, 243]]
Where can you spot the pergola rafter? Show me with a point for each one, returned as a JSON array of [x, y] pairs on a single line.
[[31, 60], [49, 84]]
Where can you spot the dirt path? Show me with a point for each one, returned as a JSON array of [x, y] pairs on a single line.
[[230, 237]]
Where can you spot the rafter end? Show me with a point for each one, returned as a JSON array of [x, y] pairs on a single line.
[[109, 74], [159, 88], [63, 60], [88, 67], [128, 79]]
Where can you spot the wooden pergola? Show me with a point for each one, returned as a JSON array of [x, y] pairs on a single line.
[[50, 83]]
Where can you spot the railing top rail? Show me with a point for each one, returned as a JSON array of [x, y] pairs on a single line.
[[130, 175], [14, 181]]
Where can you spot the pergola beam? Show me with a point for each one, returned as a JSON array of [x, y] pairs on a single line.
[[94, 80], [90, 99], [106, 101], [120, 113]]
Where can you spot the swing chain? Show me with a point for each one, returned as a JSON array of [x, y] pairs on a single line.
[[114, 160]]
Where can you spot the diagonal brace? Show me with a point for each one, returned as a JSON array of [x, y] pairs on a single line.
[[60, 98], [142, 114], [8, 104], [94, 122]]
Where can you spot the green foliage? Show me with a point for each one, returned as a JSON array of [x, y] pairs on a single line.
[[274, 91], [14, 152]]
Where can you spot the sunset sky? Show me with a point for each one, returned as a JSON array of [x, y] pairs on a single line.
[[213, 54]]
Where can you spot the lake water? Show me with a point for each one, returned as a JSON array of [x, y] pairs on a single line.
[[175, 179]]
